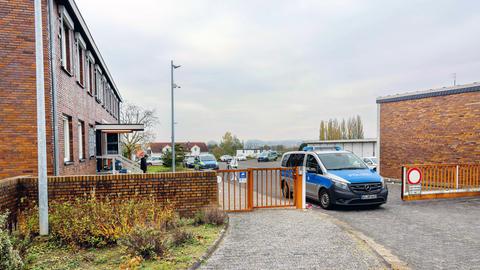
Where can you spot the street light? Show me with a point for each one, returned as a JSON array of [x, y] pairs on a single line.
[[41, 126], [172, 67]]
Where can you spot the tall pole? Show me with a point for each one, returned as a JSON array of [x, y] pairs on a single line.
[[173, 120], [41, 126]]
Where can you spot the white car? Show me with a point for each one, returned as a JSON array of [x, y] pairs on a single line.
[[226, 158], [155, 161], [241, 157], [371, 162]]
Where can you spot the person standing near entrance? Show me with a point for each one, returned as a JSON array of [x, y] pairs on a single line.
[[143, 163]]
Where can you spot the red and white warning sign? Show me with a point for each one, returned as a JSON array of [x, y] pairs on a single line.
[[414, 176]]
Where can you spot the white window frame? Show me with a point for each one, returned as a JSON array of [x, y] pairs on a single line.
[[66, 139], [81, 47], [91, 141], [104, 89], [81, 140], [98, 83], [89, 63], [66, 19]]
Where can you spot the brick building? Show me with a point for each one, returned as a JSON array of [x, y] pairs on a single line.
[[82, 100], [435, 126]]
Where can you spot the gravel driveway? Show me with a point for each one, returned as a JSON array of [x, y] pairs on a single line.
[[289, 239]]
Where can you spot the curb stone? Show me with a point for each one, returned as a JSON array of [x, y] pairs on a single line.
[[212, 248]]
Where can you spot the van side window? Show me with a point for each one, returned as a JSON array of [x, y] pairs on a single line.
[[295, 160], [312, 164], [285, 160]]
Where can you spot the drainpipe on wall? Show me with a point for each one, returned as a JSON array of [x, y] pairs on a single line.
[[377, 146], [53, 88]]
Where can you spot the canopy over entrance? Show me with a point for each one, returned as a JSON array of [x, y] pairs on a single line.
[[119, 128]]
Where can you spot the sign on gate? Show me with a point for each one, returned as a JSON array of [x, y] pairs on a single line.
[[242, 177], [414, 176]]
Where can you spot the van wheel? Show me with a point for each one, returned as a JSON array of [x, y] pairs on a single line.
[[285, 190], [325, 199]]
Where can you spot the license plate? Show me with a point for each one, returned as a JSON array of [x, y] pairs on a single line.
[[368, 197]]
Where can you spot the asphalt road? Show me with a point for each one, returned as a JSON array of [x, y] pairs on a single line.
[[434, 234]]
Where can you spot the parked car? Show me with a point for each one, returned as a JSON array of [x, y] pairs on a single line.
[[189, 162], [267, 156], [226, 158], [206, 161], [372, 162], [335, 177], [241, 157], [155, 161]]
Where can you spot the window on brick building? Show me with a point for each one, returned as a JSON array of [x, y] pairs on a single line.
[[66, 32], [98, 88], [67, 139], [90, 72], [91, 141], [81, 49], [81, 140]]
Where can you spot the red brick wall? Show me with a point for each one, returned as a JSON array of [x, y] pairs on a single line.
[[8, 195], [444, 129], [18, 129], [189, 191]]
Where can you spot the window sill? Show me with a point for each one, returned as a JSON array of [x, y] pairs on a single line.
[[90, 93], [67, 71], [82, 160], [81, 85], [98, 100], [68, 163], [92, 157]]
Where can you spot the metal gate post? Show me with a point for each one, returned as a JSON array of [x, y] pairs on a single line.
[[298, 189], [250, 189]]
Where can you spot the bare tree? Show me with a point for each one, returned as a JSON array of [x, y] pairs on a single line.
[[133, 114]]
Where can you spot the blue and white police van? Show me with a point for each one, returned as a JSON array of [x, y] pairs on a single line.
[[335, 177]]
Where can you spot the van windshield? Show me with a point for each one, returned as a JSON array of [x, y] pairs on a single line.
[[341, 161]]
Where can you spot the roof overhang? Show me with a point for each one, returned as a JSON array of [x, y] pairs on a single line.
[[119, 128]]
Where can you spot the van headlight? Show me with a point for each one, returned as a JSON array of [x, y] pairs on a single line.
[[340, 185], [382, 181]]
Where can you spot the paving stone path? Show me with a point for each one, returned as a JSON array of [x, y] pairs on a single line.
[[289, 239]]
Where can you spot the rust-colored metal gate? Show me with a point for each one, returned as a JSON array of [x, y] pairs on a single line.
[[246, 189]]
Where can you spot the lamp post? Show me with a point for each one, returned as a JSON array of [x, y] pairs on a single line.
[[41, 126], [172, 67]]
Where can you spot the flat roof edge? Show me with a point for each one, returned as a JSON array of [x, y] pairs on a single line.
[[467, 88]]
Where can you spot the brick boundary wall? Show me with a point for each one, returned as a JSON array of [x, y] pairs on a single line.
[[189, 191]]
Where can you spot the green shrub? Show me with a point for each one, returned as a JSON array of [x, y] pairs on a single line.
[[94, 223], [9, 257], [146, 242], [210, 215], [181, 236]]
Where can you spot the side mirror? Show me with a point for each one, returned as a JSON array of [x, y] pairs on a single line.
[[373, 169]]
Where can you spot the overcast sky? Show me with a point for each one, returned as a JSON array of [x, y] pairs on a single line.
[[273, 69]]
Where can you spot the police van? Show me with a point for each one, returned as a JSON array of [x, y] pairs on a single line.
[[335, 177]]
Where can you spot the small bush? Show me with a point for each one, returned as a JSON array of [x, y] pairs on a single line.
[[95, 223], [210, 215], [145, 242], [181, 236], [9, 257]]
